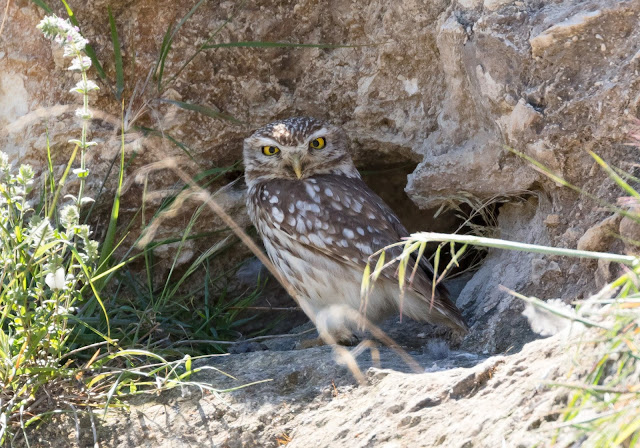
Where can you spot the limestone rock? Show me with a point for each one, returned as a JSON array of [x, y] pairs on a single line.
[[598, 237]]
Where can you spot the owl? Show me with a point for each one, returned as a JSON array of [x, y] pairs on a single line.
[[319, 223]]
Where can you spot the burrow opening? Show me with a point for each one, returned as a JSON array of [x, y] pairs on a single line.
[[389, 182]]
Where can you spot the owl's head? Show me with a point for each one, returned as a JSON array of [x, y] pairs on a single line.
[[296, 148]]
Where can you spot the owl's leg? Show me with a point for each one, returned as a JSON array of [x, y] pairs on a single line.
[[337, 324]]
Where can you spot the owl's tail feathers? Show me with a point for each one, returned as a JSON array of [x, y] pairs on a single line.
[[446, 313]]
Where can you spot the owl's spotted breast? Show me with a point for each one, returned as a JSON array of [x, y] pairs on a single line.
[[339, 215]]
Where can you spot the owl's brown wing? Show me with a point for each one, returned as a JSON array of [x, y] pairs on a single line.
[[342, 218]]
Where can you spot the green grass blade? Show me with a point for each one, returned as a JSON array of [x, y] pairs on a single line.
[[43, 5], [206, 42], [613, 175], [50, 175], [204, 110], [436, 265], [87, 275], [164, 50], [117, 55], [549, 173], [167, 43], [110, 238], [261, 44], [179, 144], [88, 49], [61, 182], [629, 260]]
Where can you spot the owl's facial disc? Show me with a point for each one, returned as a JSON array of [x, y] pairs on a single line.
[[296, 149]]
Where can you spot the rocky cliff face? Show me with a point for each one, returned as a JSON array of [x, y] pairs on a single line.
[[442, 86]]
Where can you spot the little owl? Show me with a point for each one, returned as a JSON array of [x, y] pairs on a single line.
[[320, 223]]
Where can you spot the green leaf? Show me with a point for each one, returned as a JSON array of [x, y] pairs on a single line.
[[43, 5], [204, 110], [117, 55], [260, 44], [88, 49], [164, 51]]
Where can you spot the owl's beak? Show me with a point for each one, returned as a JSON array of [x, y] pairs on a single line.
[[296, 165]]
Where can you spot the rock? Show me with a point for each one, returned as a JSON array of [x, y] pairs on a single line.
[[544, 270], [598, 237], [311, 401], [557, 34], [552, 220], [630, 232]]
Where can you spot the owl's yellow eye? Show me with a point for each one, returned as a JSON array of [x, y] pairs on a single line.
[[270, 150], [318, 143]]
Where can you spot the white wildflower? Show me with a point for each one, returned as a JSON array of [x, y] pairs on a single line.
[[80, 172], [85, 114], [64, 33], [84, 87], [56, 280], [81, 63]]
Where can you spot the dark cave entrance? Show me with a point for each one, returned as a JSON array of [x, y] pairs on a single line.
[[389, 181]]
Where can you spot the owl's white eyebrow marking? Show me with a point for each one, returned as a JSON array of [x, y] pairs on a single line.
[[266, 141], [328, 192], [348, 233], [277, 214], [273, 200], [319, 133]]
